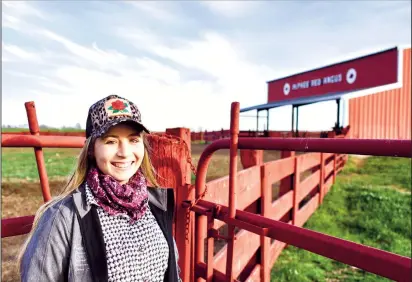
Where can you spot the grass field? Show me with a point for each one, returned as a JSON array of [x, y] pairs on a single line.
[[370, 204], [5, 130]]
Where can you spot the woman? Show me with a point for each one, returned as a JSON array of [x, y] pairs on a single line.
[[106, 225]]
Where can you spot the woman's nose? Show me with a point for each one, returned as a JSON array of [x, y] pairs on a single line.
[[124, 149]]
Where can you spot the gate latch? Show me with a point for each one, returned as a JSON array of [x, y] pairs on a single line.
[[212, 232]]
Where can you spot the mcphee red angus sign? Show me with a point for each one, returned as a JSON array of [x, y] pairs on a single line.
[[365, 72]]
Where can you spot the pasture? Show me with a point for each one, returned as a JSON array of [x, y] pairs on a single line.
[[370, 204], [17, 129]]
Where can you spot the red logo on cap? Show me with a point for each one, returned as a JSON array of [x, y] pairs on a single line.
[[118, 106]]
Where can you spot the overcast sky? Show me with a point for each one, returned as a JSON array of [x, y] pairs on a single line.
[[182, 63]]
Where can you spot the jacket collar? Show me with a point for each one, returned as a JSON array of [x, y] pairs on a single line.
[[157, 197]]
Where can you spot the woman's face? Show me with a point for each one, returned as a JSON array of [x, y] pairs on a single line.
[[119, 153]]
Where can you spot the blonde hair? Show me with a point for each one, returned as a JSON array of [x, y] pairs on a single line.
[[78, 177]]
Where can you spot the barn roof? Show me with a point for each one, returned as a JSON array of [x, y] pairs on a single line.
[[295, 102]]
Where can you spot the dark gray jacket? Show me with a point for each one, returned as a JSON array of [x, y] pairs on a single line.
[[68, 242]]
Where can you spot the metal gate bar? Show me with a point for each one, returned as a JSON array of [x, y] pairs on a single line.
[[400, 267], [29, 141], [369, 147], [373, 260]]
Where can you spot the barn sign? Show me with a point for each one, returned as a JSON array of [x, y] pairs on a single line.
[[365, 72]]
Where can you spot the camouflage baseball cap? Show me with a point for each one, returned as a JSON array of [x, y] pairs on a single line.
[[110, 111]]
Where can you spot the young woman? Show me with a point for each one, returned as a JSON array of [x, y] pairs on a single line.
[[107, 224]]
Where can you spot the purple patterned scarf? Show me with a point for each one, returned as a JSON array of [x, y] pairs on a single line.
[[115, 198]]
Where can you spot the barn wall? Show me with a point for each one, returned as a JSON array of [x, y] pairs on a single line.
[[386, 114]]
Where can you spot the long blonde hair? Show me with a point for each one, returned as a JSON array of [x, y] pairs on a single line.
[[78, 177]]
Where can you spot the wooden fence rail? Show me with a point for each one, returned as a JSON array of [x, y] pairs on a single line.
[[295, 206]]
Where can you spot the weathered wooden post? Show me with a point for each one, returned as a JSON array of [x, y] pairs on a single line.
[[171, 153], [321, 178], [265, 203], [287, 183], [251, 158], [296, 182]]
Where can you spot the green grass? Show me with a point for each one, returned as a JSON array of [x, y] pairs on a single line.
[[5, 129], [20, 163], [390, 172], [200, 142], [68, 129], [369, 204]]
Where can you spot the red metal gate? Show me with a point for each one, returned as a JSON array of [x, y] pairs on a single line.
[[210, 215], [372, 260]]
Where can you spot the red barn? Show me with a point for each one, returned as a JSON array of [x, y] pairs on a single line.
[[385, 114], [373, 92]]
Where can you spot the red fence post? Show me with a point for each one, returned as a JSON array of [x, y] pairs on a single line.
[[251, 158], [210, 250], [334, 167], [184, 191], [296, 182], [234, 137], [265, 201], [287, 182], [38, 151], [321, 178]]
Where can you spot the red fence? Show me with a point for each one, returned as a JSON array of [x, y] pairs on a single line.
[[245, 200], [295, 202], [210, 136], [280, 220]]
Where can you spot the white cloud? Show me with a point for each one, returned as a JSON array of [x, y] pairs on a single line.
[[141, 38], [10, 21], [13, 52], [16, 13], [155, 85], [232, 9], [21, 16], [24, 75], [159, 10], [22, 9], [216, 56], [65, 71], [93, 54], [213, 54]]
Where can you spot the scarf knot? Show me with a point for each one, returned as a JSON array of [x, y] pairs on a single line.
[[115, 198]]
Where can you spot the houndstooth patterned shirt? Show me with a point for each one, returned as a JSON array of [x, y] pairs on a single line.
[[135, 252]]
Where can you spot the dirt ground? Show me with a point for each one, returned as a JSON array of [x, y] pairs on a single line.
[[21, 198], [197, 149]]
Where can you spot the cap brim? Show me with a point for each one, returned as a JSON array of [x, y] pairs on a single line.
[[112, 123]]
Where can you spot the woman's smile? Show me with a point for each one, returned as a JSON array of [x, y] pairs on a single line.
[[123, 165]]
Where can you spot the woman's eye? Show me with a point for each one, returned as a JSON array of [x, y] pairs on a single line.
[[110, 142], [135, 140]]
